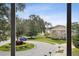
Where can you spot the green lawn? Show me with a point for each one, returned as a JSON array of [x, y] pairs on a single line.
[[24, 46], [48, 40], [75, 52]]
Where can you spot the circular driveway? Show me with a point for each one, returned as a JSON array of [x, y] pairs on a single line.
[[40, 49]]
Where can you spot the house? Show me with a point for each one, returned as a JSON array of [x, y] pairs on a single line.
[[58, 31]]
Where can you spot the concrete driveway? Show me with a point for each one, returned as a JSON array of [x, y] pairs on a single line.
[[40, 49]]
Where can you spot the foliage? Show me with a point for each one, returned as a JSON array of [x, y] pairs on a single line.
[[48, 25], [4, 9], [5, 19], [31, 34], [30, 27], [46, 34], [36, 24], [24, 46], [3, 30], [5, 47], [20, 6], [75, 52], [19, 28], [49, 40], [76, 41], [75, 27], [19, 42]]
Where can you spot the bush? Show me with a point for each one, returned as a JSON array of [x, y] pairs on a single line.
[[46, 34], [6, 47], [19, 42], [76, 41], [24, 46], [75, 52]]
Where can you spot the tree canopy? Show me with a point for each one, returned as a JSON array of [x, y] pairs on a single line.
[[5, 14], [32, 26], [75, 28]]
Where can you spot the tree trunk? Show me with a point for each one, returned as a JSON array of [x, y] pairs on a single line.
[[17, 38]]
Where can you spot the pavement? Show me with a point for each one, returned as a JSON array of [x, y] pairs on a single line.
[[40, 49]]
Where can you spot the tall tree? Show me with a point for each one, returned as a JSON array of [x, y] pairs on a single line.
[[3, 29], [33, 25], [5, 17], [75, 29]]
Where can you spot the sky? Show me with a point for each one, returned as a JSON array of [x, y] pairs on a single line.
[[54, 13], [75, 12]]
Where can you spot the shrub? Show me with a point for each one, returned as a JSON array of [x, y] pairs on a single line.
[[19, 42], [46, 34], [76, 41], [24, 46]]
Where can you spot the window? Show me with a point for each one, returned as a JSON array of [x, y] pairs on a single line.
[[15, 44]]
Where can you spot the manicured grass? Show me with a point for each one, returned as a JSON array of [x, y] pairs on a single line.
[[5, 47], [24, 46], [49, 40], [75, 52]]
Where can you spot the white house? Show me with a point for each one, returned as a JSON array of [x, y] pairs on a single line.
[[58, 31]]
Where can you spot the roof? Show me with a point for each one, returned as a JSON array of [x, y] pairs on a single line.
[[59, 27]]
